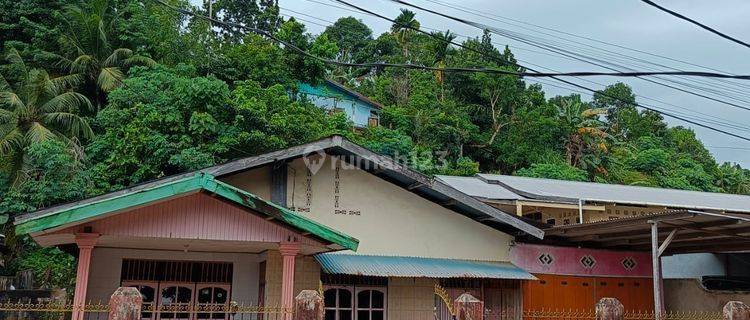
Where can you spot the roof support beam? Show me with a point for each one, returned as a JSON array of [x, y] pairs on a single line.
[[656, 263], [667, 241]]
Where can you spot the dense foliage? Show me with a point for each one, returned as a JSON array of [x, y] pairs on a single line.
[[99, 95]]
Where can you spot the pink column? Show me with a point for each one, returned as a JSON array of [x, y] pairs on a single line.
[[85, 242], [289, 251]]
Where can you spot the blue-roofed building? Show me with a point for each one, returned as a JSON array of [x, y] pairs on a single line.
[[332, 96]]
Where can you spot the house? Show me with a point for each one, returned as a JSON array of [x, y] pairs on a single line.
[[335, 97], [598, 240], [375, 235]]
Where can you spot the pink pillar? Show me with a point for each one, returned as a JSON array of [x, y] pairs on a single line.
[[85, 242], [289, 251]]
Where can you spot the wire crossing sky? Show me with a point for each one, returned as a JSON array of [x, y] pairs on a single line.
[[624, 34]]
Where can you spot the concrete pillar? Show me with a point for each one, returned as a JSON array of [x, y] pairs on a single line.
[[125, 304], [85, 242], [609, 309], [289, 251], [308, 305], [467, 307], [736, 310]]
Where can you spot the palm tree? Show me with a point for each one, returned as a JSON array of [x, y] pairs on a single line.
[[92, 56], [586, 132], [35, 107], [443, 40], [403, 27]]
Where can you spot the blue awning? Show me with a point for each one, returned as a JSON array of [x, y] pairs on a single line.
[[387, 266]]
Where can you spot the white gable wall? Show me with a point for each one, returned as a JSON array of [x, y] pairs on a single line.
[[387, 219]]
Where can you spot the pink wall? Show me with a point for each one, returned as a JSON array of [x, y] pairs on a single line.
[[567, 261], [195, 216]]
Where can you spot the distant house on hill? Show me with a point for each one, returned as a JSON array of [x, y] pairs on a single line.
[[334, 97]]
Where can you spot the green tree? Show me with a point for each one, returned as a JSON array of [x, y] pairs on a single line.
[[351, 37], [89, 52], [32, 27], [261, 14], [585, 139], [559, 171], [403, 29], [161, 122], [34, 108]]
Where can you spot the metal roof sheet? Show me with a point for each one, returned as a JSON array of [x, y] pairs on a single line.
[[636, 195], [399, 266], [200, 181], [476, 187]]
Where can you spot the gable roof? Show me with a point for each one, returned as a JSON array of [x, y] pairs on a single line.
[[85, 210], [504, 187], [385, 168], [308, 89]]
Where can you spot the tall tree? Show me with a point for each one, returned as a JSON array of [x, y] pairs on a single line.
[[34, 108], [261, 14], [90, 53], [403, 27]]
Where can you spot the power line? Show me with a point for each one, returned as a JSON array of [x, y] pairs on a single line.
[[693, 89], [373, 65], [556, 78], [588, 59], [713, 119], [456, 69], [496, 17], [712, 30]]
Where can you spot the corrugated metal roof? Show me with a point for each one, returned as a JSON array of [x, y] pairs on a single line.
[[390, 266], [537, 188], [476, 187]]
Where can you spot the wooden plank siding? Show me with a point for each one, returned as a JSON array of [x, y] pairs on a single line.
[[195, 216]]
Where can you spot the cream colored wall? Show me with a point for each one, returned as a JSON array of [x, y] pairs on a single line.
[[106, 266], [306, 276], [256, 181], [389, 220], [411, 298]]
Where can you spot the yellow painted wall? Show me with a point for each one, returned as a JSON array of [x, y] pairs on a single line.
[[411, 298], [256, 181], [387, 219], [306, 276]]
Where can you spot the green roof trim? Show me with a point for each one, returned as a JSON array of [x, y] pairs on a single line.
[[200, 181]]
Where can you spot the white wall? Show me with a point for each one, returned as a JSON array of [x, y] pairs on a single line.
[[106, 265], [388, 219], [693, 265]]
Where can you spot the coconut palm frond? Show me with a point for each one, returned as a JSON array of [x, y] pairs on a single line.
[[82, 64], [4, 84], [109, 79], [117, 57], [67, 102], [10, 100], [15, 59], [38, 133], [72, 123], [68, 81], [7, 117], [10, 141], [139, 60]]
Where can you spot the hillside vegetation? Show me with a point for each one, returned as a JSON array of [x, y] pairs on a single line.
[[99, 95]]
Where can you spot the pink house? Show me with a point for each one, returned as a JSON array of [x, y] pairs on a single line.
[[186, 240], [376, 236]]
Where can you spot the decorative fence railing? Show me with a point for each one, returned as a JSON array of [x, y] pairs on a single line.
[[100, 311], [552, 314]]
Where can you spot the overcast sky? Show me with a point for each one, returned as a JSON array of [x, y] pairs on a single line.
[[629, 23]]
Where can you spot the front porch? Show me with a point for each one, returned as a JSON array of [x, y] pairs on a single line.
[[210, 244]]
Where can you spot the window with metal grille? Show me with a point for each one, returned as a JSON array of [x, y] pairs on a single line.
[[177, 271]]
